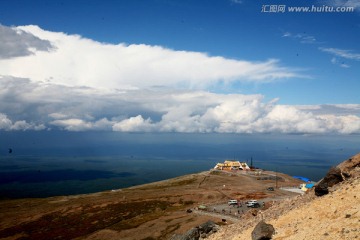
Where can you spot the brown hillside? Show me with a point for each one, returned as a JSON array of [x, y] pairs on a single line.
[[151, 211]]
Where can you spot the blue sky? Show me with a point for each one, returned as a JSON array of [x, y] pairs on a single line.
[[179, 66]]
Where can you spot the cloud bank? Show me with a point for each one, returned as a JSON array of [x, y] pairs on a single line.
[[34, 105], [52, 80]]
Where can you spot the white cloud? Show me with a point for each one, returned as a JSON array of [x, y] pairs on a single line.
[[348, 54], [76, 61], [302, 37], [335, 61], [133, 124], [5, 122], [290, 119], [72, 124], [287, 34], [8, 125], [76, 125], [23, 125]]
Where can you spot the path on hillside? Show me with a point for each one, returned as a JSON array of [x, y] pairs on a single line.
[[219, 215], [206, 177]]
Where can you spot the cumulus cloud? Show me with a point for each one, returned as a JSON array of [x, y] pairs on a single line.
[[77, 61], [162, 110], [5, 123], [133, 124], [8, 125]]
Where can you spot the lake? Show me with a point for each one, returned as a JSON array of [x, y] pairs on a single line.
[[117, 161]]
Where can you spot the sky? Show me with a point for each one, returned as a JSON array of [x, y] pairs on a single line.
[[167, 66]]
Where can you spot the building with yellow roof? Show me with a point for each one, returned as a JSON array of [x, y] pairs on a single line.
[[232, 165]]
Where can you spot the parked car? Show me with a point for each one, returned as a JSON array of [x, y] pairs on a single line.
[[233, 202], [251, 203], [255, 205], [270, 189]]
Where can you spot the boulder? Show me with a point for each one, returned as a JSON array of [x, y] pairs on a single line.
[[262, 231], [192, 234], [203, 231], [333, 177], [177, 237], [208, 227], [321, 189]]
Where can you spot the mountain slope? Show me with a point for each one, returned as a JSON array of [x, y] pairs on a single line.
[[151, 211], [332, 216]]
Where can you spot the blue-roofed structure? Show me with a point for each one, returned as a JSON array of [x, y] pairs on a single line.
[[302, 178]]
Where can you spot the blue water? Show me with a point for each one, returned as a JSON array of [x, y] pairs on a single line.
[[44, 164]]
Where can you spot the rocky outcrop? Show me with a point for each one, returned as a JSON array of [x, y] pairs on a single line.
[[208, 227], [262, 231], [332, 177], [350, 168], [199, 232], [343, 171]]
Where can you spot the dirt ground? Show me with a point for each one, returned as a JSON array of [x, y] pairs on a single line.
[[151, 211]]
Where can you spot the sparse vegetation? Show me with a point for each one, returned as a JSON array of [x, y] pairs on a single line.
[[151, 211], [73, 224], [215, 173], [189, 202]]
